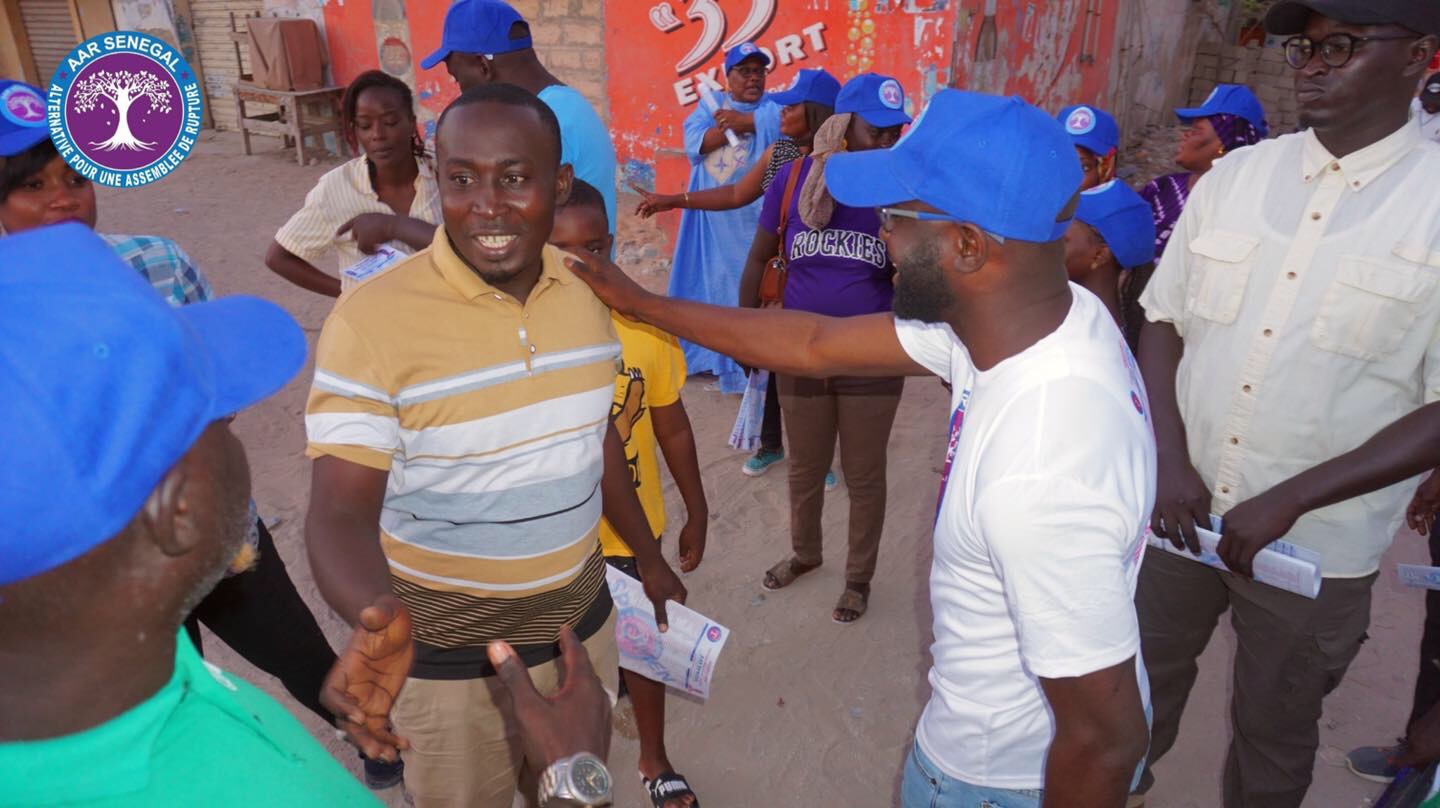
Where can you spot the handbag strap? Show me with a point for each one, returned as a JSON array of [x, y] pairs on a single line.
[[790, 185]]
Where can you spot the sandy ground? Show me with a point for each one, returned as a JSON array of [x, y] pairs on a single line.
[[804, 712]]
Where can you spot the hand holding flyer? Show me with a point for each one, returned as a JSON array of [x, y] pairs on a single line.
[[1281, 565], [683, 657]]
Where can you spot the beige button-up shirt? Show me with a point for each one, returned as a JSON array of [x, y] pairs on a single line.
[[1307, 292]]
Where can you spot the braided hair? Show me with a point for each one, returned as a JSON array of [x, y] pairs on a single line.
[[372, 80]]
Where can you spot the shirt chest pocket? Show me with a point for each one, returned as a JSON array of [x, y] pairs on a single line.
[[1372, 305], [1219, 274]]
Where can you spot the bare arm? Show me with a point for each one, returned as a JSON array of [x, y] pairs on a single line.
[[300, 272], [342, 535], [627, 517], [370, 230], [1181, 498], [1398, 452], [726, 197], [677, 443], [1100, 737], [740, 123], [762, 248], [790, 342]]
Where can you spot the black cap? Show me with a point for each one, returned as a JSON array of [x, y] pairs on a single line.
[[1291, 16]]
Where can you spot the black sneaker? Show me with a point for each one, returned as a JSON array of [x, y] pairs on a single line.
[[380, 775]]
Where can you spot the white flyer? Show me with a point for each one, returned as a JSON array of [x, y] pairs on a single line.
[[1281, 564], [682, 657], [1419, 576]]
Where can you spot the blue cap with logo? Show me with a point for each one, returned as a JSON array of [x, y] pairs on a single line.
[[995, 162], [1123, 219], [1229, 99], [743, 51], [478, 26], [22, 117], [880, 100], [1091, 128], [107, 387], [811, 85]]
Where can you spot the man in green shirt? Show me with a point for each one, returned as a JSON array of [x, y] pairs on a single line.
[[126, 497]]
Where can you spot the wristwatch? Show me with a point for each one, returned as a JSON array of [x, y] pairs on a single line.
[[578, 781]]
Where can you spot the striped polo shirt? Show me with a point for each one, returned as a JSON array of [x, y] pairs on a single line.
[[490, 416]]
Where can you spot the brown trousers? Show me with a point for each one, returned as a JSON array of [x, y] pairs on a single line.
[[465, 747], [860, 412], [1291, 652]]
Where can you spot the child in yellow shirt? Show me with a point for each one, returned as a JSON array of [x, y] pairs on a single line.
[[647, 411]]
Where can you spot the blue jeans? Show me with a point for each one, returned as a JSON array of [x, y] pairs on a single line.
[[925, 786]]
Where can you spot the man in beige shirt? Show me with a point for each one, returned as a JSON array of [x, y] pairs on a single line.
[[1294, 315]]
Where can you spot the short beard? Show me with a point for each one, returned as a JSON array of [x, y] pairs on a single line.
[[921, 292]]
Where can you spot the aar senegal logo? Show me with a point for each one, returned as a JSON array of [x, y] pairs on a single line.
[[124, 109], [1081, 121]]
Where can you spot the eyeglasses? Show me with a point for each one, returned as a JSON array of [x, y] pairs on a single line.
[[749, 71], [1335, 50], [889, 215]]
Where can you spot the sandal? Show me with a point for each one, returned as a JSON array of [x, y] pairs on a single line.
[[671, 788], [851, 600], [783, 574]]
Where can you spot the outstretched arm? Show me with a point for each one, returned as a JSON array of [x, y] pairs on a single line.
[[726, 197], [1398, 452], [788, 342]]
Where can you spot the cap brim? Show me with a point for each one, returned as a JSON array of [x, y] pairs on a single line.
[[1192, 113], [435, 58], [788, 97], [12, 143], [885, 117], [1291, 17], [1094, 145], [867, 179], [252, 345]]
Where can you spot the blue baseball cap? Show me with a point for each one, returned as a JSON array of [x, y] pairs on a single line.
[[22, 117], [478, 26], [1091, 128], [1229, 99], [1123, 219], [880, 100], [107, 387], [743, 51], [998, 163], [811, 84]]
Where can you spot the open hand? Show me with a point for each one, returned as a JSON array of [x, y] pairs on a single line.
[[652, 203], [692, 542], [362, 686], [370, 230], [1181, 502], [1424, 505], [576, 718], [609, 282], [661, 584], [1253, 524]]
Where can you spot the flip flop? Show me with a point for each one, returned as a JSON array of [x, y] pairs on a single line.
[[852, 601], [783, 574], [668, 787]]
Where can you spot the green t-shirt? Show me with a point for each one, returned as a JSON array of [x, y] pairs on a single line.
[[204, 739]]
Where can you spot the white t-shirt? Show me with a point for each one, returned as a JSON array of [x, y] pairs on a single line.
[[1038, 540], [1429, 124]]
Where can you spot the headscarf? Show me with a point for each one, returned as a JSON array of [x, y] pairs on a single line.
[[816, 204], [1235, 132]]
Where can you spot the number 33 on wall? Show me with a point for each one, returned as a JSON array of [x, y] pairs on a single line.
[[713, 24]]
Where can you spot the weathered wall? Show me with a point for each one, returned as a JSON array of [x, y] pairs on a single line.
[[154, 17], [1263, 70]]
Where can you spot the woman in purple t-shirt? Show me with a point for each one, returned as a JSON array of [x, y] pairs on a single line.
[[837, 265]]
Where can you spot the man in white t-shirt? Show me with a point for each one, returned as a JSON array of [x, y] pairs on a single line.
[[1038, 693]]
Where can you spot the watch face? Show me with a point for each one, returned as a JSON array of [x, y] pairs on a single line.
[[590, 778]]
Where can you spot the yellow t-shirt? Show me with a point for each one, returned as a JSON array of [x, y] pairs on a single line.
[[653, 374]]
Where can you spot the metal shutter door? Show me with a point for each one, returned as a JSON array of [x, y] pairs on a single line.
[[50, 30], [216, 50]]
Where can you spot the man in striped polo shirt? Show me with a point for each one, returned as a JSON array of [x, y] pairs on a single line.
[[460, 423]]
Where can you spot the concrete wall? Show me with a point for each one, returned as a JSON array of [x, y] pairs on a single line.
[[1263, 70]]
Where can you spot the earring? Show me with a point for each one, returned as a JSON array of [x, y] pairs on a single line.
[[1222, 150]]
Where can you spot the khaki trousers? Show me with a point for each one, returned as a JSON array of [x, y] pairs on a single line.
[[860, 412], [1291, 652], [464, 744]]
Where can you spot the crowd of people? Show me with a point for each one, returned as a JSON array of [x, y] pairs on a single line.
[[1253, 339]]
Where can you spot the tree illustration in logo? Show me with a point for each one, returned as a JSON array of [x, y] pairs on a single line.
[[27, 106], [122, 88]]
